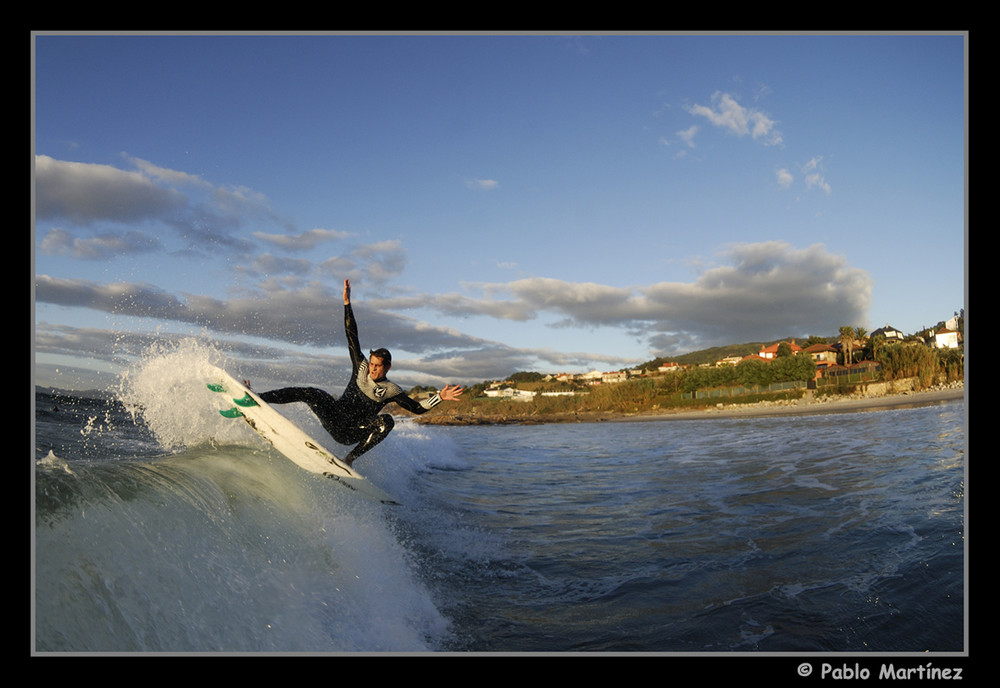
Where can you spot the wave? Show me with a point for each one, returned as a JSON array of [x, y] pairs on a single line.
[[214, 544]]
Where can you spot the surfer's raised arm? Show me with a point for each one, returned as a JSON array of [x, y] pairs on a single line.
[[351, 329], [354, 417]]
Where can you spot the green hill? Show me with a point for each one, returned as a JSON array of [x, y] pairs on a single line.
[[716, 353]]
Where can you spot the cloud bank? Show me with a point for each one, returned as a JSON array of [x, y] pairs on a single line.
[[753, 291]]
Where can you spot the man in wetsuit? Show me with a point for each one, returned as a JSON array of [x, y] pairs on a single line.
[[354, 418]]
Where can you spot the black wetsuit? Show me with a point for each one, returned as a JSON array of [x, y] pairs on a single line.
[[354, 417]]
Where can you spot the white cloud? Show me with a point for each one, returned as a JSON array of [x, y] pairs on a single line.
[[87, 193], [100, 247], [761, 291], [816, 180], [269, 264], [304, 241], [163, 174], [764, 290], [379, 263], [726, 113], [687, 135], [814, 175]]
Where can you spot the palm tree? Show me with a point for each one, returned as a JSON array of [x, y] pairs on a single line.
[[846, 340], [877, 342], [860, 334]]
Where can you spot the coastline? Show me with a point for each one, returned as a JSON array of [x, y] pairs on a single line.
[[800, 407], [803, 407]]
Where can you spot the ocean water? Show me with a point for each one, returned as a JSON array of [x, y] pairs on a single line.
[[162, 528]]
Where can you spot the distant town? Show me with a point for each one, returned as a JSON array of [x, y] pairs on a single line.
[[854, 352]]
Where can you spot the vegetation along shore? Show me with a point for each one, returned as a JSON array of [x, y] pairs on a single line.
[[817, 375]]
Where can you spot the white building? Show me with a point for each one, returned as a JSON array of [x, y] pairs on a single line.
[[889, 332], [946, 339]]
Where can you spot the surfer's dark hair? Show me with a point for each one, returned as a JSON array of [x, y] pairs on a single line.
[[383, 354]]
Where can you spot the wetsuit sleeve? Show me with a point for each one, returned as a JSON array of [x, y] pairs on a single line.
[[413, 406], [351, 329]]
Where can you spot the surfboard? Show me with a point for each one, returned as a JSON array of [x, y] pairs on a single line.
[[239, 401]]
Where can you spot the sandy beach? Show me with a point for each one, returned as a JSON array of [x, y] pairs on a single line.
[[805, 406], [847, 404]]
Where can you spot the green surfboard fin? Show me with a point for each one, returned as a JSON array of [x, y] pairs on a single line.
[[246, 400], [231, 413], [216, 388]]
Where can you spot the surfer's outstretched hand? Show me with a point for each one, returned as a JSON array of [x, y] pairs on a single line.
[[347, 292], [451, 392]]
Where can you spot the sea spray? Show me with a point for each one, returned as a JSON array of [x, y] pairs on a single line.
[[166, 388]]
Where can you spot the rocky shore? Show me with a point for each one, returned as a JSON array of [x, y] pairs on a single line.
[[873, 399]]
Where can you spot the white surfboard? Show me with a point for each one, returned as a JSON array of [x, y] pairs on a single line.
[[242, 402]]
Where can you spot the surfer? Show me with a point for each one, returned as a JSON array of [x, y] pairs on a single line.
[[354, 418]]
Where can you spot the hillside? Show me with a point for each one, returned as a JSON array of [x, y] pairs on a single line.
[[717, 353]]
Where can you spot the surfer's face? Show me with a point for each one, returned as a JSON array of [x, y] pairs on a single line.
[[377, 369]]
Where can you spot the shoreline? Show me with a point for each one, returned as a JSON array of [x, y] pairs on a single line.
[[804, 407], [800, 407]]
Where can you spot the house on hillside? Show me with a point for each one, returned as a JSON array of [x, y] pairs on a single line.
[[509, 393], [823, 354], [889, 332], [946, 339], [772, 351], [671, 367]]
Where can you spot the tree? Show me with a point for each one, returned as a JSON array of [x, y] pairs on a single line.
[[909, 359], [793, 368], [754, 371], [874, 346], [846, 340], [860, 335]]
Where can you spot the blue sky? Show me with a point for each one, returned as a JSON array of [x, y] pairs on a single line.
[[500, 203]]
